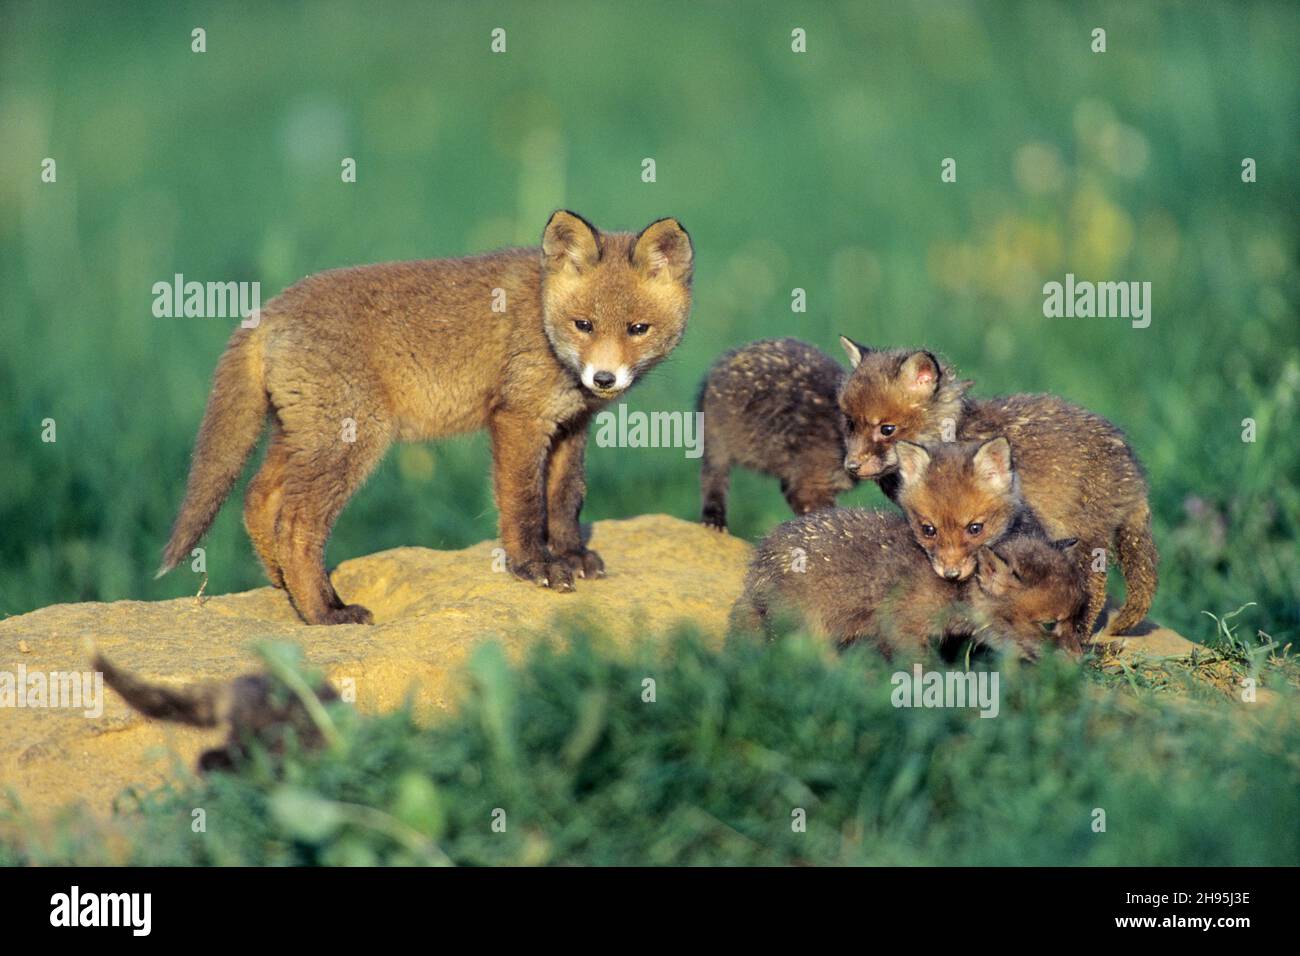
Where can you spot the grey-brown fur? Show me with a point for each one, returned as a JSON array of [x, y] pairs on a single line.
[[771, 406], [863, 578], [256, 710], [1077, 470]]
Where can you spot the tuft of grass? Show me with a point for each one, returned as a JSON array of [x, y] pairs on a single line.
[[1218, 667]]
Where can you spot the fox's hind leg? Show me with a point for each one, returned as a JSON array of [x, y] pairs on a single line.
[[1136, 549], [318, 481], [715, 479], [1096, 585], [262, 504]]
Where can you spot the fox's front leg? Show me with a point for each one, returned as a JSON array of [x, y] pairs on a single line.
[[566, 489], [521, 447]]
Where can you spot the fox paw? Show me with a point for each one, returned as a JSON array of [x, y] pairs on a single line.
[[714, 518], [548, 573], [348, 614], [584, 564]]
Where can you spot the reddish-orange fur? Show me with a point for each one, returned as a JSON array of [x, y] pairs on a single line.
[[411, 351], [960, 497]]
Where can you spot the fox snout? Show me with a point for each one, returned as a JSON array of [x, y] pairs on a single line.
[[606, 365], [953, 567], [1069, 642], [865, 462], [606, 382]]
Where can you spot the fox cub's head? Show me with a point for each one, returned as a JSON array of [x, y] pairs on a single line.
[[958, 497], [1031, 592], [895, 395], [614, 304]]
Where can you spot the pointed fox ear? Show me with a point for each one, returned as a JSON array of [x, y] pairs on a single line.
[[992, 464], [994, 571], [920, 373], [663, 249], [913, 460], [853, 350], [570, 242]]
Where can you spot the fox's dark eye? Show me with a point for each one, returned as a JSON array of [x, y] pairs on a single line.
[[1047, 626], [583, 325], [638, 328], [974, 528], [887, 430], [849, 427], [928, 530]]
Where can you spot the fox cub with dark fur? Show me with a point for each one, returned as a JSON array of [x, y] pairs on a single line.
[[771, 406], [1079, 474], [412, 351], [256, 710]]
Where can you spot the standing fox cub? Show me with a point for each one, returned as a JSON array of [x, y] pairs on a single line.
[[854, 575], [771, 406], [528, 343], [1078, 472]]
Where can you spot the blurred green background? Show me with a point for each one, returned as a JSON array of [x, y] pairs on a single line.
[[817, 170]]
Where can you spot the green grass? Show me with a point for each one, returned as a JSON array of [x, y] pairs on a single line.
[[715, 768], [818, 171]]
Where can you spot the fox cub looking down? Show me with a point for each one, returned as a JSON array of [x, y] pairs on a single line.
[[1079, 474], [854, 575], [959, 497], [771, 406], [528, 343]]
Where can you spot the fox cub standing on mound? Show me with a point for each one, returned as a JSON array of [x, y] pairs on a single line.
[[528, 343], [1079, 474], [853, 575], [771, 406]]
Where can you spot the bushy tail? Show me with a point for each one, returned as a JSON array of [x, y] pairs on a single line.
[[1136, 549], [197, 705], [232, 423]]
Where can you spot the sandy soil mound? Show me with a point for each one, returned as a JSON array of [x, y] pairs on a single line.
[[431, 609]]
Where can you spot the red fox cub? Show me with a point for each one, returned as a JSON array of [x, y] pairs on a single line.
[[771, 406], [854, 575], [1079, 474], [959, 497], [528, 343]]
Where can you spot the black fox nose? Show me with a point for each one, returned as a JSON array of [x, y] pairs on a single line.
[[604, 379], [952, 575]]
